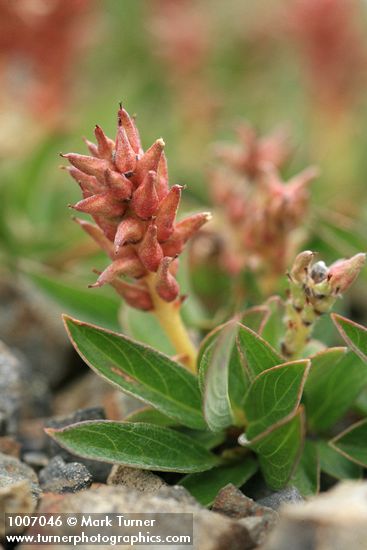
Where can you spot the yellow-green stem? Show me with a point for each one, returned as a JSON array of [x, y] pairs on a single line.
[[168, 315], [297, 334]]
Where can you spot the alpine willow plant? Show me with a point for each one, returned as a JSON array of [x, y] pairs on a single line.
[[258, 394], [126, 191]]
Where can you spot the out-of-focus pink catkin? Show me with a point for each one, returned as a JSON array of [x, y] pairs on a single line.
[[260, 212], [333, 49], [43, 39], [126, 191]]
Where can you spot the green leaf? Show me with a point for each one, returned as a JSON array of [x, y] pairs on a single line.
[[353, 334], [254, 317], [238, 384], [360, 404], [274, 395], [205, 352], [321, 361], [214, 370], [207, 439], [139, 371], [139, 445], [143, 327], [232, 370], [205, 486], [352, 443], [335, 464], [151, 416], [279, 449], [259, 354], [272, 327], [336, 379], [306, 476], [92, 306]]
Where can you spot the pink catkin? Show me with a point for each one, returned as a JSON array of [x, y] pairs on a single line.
[[260, 210], [126, 191]]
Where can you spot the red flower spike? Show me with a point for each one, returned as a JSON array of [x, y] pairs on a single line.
[[125, 157], [167, 213], [127, 193], [149, 161], [330, 39], [128, 265], [103, 203], [145, 201], [119, 184], [131, 130], [275, 147], [162, 177], [135, 295], [173, 268], [187, 227], [92, 147], [305, 177], [105, 145], [248, 157], [167, 287], [108, 225], [88, 184], [89, 165], [130, 230], [150, 251], [98, 236], [173, 246], [263, 212]]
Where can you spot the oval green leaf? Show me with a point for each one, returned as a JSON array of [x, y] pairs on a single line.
[[138, 445], [335, 464], [274, 395], [279, 449], [214, 371], [306, 476], [139, 371], [259, 354], [335, 381], [353, 334], [352, 443]]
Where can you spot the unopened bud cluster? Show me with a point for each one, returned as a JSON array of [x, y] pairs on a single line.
[[127, 193], [262, 213], [313, 289]]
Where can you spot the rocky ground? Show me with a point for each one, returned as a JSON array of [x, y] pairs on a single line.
[[42, 384]]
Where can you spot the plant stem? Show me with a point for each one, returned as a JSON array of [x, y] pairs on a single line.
[[168, 315], [297, 333]]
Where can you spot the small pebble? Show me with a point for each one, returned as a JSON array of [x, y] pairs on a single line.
[[12, 471], [142, 481], [61, 477], [9, 446], [99, 470], [36, 460]]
